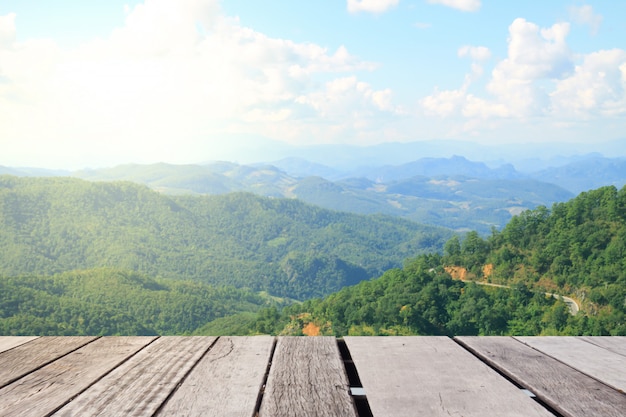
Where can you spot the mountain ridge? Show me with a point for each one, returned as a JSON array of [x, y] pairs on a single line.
[[53, 225]]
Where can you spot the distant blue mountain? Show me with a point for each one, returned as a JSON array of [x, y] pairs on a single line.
[[431, 167], [586, 174], [454, 191]]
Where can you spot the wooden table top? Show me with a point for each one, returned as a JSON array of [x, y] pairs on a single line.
[[312, 376]]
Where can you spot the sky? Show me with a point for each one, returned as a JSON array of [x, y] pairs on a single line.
[[104, 82]]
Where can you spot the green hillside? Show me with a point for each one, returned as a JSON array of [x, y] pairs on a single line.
[[420, 299], [112, 302], [283, 246], [576, 249]]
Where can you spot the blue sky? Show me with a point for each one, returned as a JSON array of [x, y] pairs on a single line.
[[86, 84]]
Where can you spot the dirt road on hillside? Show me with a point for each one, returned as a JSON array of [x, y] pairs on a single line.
[[574, 308]]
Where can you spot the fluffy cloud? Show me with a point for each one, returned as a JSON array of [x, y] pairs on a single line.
[[539, 77], [534, 55], [463, 5], [597, 87], [585, 15], [176, 69], [452, 102], [445, 103], [348, 95], [371, 6]]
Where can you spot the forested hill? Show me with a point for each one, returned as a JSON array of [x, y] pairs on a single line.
[[575, 249], [283, 246], [106, 301]]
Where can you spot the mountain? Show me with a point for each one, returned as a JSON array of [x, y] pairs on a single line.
[[446, 197], [513, 282], [458, 203], [452, 192], [32, 172], [586, 174], [300, 168], [283, 246], [526, 157], [213, 178], [419, 299], [434, 167]]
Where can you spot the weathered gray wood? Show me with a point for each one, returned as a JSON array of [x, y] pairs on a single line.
[[433, 376], [565, 389], [27, 357], [307, 378], [226, 382], [45, 390], [615, 344], [141, 385], [9, 342], [595, 361]]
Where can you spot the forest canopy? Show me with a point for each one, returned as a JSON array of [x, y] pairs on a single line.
[[282, 246], [118, 258], [576, 249]]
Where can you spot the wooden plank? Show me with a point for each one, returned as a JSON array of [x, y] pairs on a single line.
[[45, 390], [141, 385], [566, 390], [615, 344], [433, 376], [9, 342], [227, 380], [307, 378], [597, 362], [23, 359]]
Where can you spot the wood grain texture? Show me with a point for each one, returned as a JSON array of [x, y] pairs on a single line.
[[433, 376], [615, 344], [595, 361], [226, 382], [23, 359], [45, 390], [307, 378], [9, 342], [565, 389], [139, 386]]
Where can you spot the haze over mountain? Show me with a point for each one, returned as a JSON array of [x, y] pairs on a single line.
[[459, 194]]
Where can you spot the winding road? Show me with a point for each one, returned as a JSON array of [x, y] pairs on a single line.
[[574, 308]]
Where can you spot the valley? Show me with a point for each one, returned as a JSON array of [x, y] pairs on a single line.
[[278, 253]]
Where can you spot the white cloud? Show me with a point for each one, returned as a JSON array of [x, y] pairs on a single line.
[[177, 69], [597, 87], [463, 5], [477, 53], [585, 15], [347, 96], [445, 103], [539, 77], [537, 53], [448, 103], [371, 6], [534, 55]]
